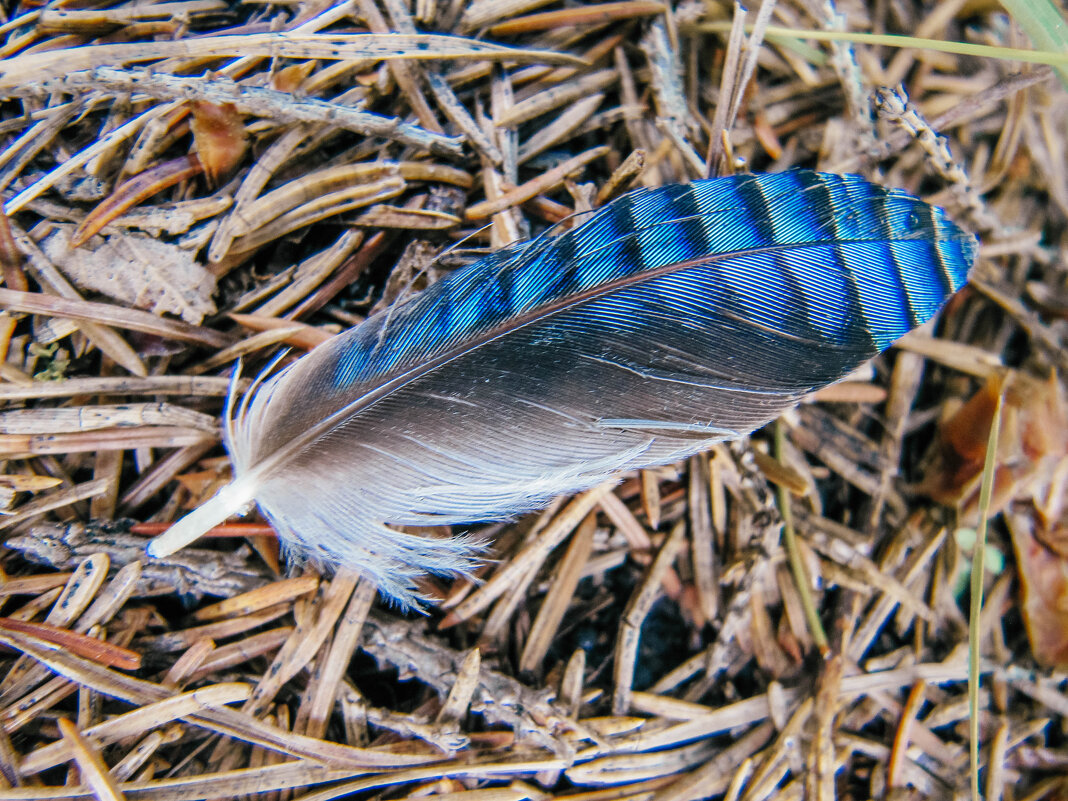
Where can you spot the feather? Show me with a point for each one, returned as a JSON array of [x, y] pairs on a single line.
[[670, 319]]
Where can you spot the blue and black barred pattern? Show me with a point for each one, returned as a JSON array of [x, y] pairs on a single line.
[[831, 259], [670, 319]]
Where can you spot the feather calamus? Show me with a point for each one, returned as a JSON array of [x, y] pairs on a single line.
[[668, 320]]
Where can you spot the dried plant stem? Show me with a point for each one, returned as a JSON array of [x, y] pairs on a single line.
[[976, 607], [793, 552]]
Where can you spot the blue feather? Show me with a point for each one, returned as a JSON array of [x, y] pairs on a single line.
[[670, 319]]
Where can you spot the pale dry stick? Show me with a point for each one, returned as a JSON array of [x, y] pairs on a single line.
[[25, 19], [702, 538], [162, 473], [173, 218], [230, 627], [557, 96], [336, 661], [260, 598], [776, 763], [223, 720], [68, 19], [259, 174], [22, 711], [122, 439], [718, 773], [904, 385], [76, 162], [637, 129], [571, 683], [896, 106], [752, 49], [90, 764], [560, 129], [756, 709], [232, 784], [307, 337], [496, 628], [40, 67], [481, 13], [850, 76], [190, 661], [450, 770], [867, 581], [570, 23], [329, 205], [1028, 319], [145, 748], [638, 607], [54, 500], [721, 122], [46, 273], [536, 551], [35, 139], [139, 720], [29, 483], [898, 752], [107, 466], [960, 356], [88, 418], [452, 108], [251, 344], [88, 311], [625, 522], [738, 780], [627, 768], [111, 598], [312, 272], [208, 386], [558, 598], [499, 698], [458, 701], [873, 622], [826, 450], [823, 763], [446, 99], [617, 183], [226, 657], [543, 183], [34, 607], [968, 108], [33, 585], [409, 219], [507, 225], [302, 647], [673, 116], [84, 583], [256, 213], [79, 592]]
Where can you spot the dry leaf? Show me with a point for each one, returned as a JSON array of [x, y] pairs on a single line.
[[139, 270], [1033, 440], [1043, 587], [220, 136]]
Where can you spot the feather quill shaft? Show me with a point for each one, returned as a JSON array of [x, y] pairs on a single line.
[[670, 319]]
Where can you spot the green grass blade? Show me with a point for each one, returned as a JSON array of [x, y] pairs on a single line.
[[1044, 24], [978, 568], [1058, 60]]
